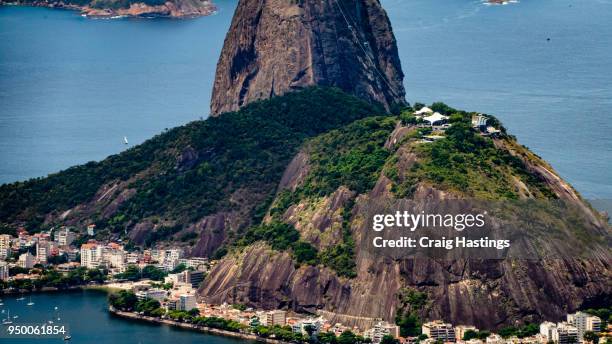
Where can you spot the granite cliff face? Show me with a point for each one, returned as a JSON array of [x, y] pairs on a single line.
[[276, 46], [488, 293]]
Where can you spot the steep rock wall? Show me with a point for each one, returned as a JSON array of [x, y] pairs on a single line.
[[276, 46]]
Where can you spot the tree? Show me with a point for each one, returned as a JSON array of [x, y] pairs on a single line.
[[310, 329], [123, 300], [591, 337], [470, 334], [179, 268], [410, 324], [387, 339], [153, 273]]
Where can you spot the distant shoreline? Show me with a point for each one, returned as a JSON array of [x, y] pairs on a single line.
[[194, 327], [43, 290], [174, 9]]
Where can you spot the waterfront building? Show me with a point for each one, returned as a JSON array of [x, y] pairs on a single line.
[[272, 318], [155, 294], [43, 251], [301, 326], [4, 271], [5, 246], [439, 330], [26, 260], [584, 322], [91, 255], [172, 304], [187, 302]]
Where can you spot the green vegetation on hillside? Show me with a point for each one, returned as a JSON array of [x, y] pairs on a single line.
[[351, 156], [281, 237], [469, 163], [191, 171], [412, 303]]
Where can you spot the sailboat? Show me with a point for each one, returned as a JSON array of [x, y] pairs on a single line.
[[8, 320], [30, 303], [125, 140]]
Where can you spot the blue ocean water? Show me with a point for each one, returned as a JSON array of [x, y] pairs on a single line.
[[72, 88], [86, 315]]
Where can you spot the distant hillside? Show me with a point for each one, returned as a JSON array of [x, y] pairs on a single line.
[[128, 8]]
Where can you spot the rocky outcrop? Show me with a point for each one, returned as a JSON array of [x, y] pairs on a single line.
[[488, 293], [276, 46]]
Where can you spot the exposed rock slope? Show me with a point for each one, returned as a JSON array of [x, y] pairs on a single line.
[[275, 46], [319, 186]]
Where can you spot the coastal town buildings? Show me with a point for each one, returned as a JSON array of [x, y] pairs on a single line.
[[4, 271], [461, 329], [272, 318], [439, 330], [561, 333], [380, 330], [584, 322], [65, 237], [155, 294], [5, 246], [91, 255], [187, 302], [26, 260]]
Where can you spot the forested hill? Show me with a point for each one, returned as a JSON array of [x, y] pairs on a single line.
[[220, 166]]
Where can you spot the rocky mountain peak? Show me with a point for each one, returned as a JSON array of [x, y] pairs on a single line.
[[276, 46]]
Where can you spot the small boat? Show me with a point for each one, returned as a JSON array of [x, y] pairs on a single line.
[[8, 320], [125, 141], [67, 337], [50, 321], [20, 298], [15, 316]]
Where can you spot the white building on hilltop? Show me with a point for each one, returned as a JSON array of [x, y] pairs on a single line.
[[423, 111]]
